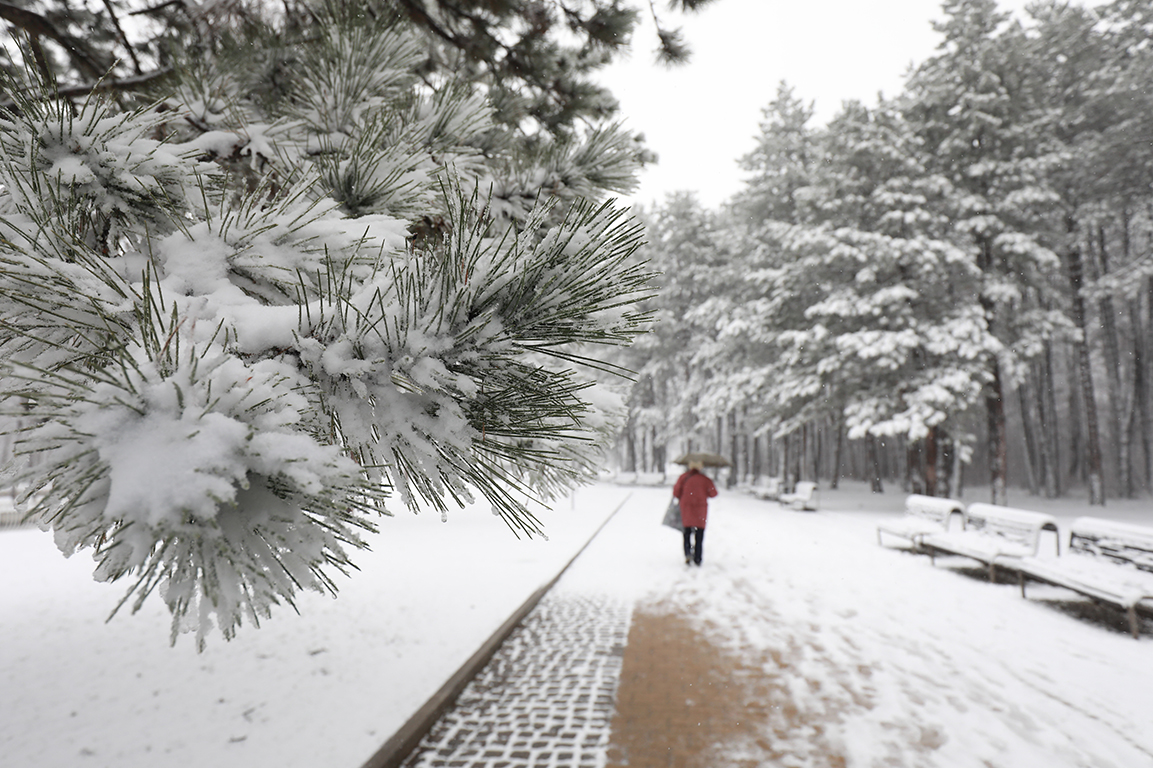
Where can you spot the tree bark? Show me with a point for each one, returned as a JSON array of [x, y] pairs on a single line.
[[1050, 435], [756, 457], [1085, 379], [660, 453], [873, 464], [1141, 391], [630, 449], [1077, 462], [818, 450], [1118, 405], [997, 439], [838, 452], [1027, 401], [734, 445], [931, 462], [911, 479], [945, 476], [783, 461]]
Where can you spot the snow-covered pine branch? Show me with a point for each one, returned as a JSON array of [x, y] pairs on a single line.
[[232, 348]]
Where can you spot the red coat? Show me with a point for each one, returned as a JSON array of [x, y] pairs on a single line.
[[694, 490]]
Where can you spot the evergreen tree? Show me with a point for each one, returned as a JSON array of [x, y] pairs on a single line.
[[242, 320], [538, 58], [969, 105], [780, 163], [684, 249]]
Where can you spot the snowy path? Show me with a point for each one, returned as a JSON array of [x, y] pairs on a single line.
[[890, 661], [325, 688], [877, 655]]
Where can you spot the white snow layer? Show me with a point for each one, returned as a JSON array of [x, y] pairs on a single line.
[[888, 659]]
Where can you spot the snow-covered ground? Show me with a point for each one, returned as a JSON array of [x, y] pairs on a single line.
[[887, 659]]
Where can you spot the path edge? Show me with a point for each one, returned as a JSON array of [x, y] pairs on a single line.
[[406, 739]]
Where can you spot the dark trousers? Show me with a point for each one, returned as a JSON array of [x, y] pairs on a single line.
[[697, 552]]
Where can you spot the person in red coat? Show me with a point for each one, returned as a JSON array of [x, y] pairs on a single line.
[[693, 490]]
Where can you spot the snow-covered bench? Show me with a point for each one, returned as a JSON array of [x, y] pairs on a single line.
[[9, 515], [924, 515], [1106, 561], [804, 496], [12, 514], [993, 536], [768, 488]]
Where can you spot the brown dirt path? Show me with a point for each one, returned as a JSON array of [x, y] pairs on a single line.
[[683, 702]]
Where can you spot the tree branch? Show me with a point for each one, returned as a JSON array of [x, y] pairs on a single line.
[[39, 26], [100, 86], [123, 37], [155, 8]]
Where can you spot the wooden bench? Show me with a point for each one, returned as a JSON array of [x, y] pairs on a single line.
[[994, 536], [12, 514], [924, 515], [10, 517], [804, 496], [768, 488], [1106, 561]]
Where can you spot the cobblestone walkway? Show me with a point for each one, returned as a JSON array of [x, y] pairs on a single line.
[[546, 698]]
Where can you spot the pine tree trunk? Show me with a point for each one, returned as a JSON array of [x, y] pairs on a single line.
[[958, 474], [1119, 407], [945, 479], [1141, 391], [931, 462], [783, 462], [734, 459], [873, 464], [1050, 435], [818, 450], [1077, 461], [1029, 428], [630, 449], [838, 452], [756, 459], [997, 439], [911, 479], [660, 453], [746, 456], [1149, 372], [994, 398], [1085, 378]]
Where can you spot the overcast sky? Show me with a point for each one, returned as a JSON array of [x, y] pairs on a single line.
[[701, 117]]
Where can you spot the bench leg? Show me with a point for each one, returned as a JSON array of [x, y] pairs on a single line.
[[992, 573], [1021, 581], [1134, 627], [932, 556]]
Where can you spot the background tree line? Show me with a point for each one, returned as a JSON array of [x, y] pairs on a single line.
[[960, 276]]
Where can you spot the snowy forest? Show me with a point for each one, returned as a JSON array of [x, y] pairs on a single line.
[[952, 286]]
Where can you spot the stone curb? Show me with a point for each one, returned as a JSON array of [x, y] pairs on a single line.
[[398, 747]]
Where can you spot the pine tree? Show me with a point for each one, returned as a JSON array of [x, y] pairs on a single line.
[[244, 319], [781, 162], [684, 247], [970, 105], [538, 59]]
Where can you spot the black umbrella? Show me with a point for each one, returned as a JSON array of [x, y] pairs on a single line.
[[707, 459]]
